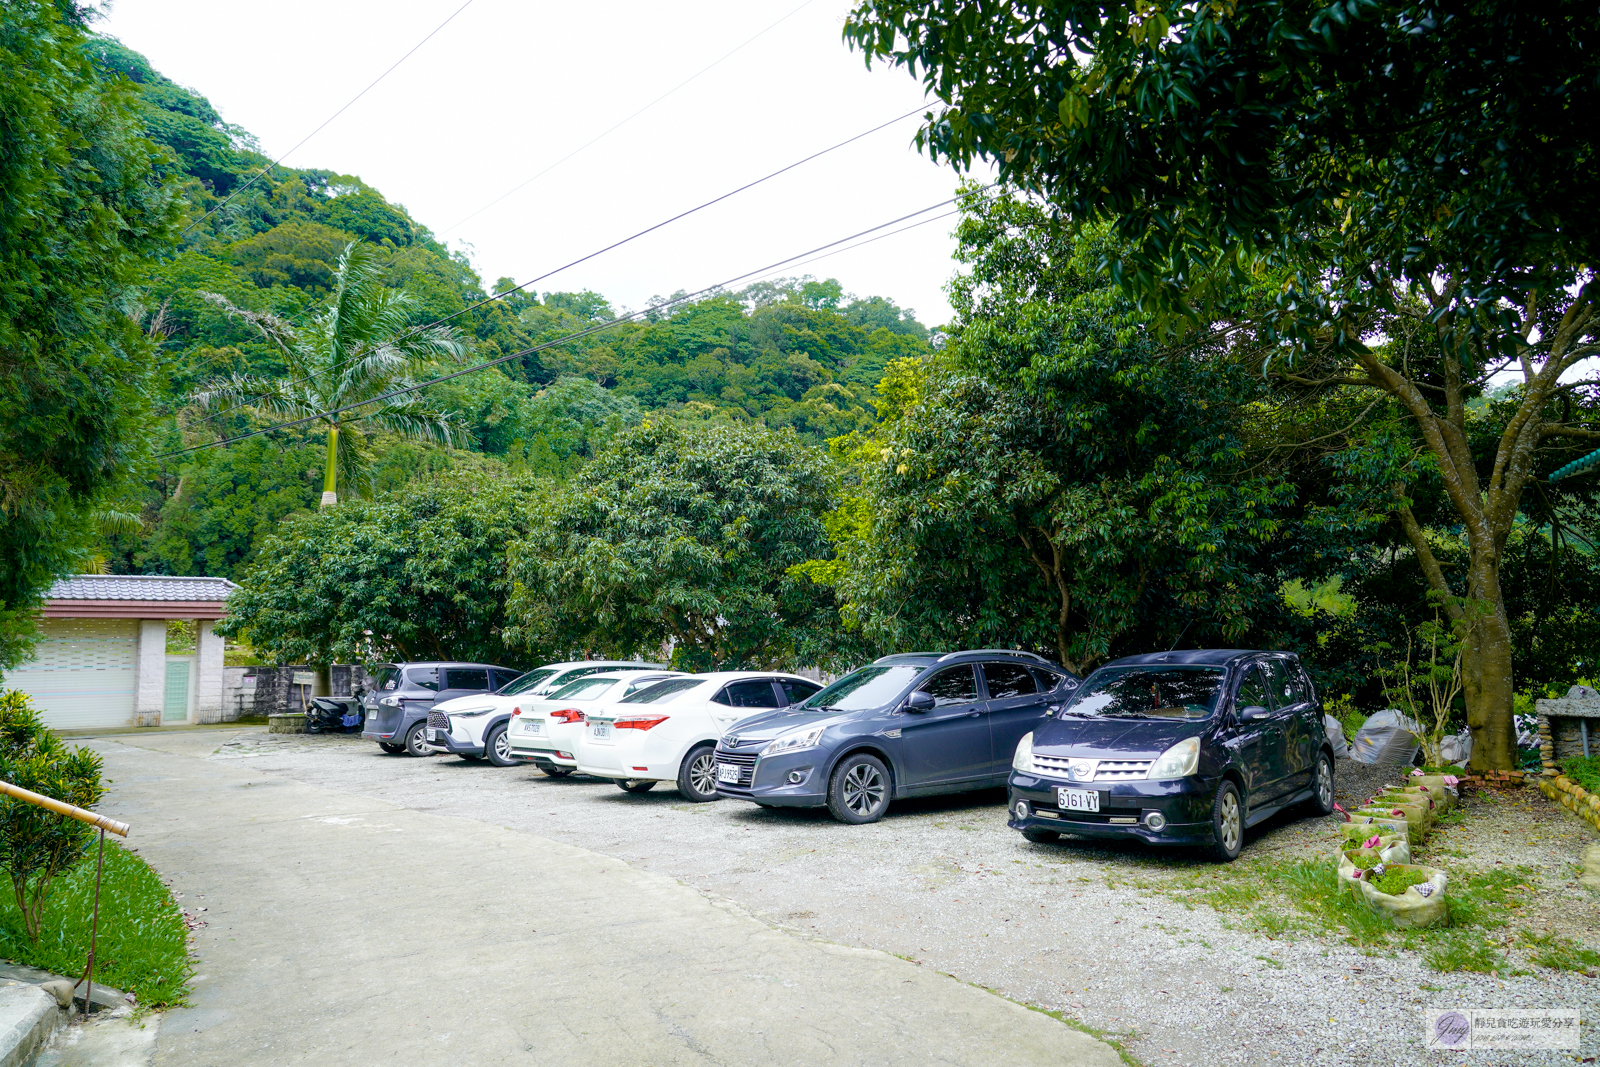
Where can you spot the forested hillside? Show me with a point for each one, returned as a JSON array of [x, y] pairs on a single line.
[[788, 352]]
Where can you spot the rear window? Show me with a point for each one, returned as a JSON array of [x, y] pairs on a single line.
[[387, 678], [753, 693], [583, 689], [662, 692], [870, 687], [526, 681], [425, 677], [1008, 680], [1148, 693]]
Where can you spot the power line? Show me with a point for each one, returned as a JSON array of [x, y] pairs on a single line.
[[600, 137], [616, 244], [596, 328], [264, 170], [870, 240]]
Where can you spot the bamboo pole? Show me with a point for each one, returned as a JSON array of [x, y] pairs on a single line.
[[72, 811]]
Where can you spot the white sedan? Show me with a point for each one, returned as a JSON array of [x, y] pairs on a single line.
[[668, 732], [478, 726], [545, 731]]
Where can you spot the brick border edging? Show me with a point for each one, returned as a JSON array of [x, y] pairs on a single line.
[[1574, 797]]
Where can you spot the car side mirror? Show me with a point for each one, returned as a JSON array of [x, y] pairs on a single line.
[[1254, 712], [920, 701]]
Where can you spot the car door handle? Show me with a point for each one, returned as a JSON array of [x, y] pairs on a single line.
[[974, 714]]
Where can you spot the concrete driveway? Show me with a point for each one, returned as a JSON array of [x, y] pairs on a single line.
[[348, 930]]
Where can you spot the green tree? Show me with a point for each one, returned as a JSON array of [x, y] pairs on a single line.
[[83, 209], [1057, 479], [418, 574], [37, 846], [685, 537], [360, 348], [1404, 170]]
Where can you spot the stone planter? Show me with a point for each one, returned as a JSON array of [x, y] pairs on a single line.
[[287, 723]]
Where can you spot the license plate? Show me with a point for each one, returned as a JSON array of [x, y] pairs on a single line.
[[727, 772], [600, 729], [433, 733], [533, 727], [1077, 799], [373, 714]]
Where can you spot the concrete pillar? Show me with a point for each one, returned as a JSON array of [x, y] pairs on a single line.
[[208, 686], [151, 677]]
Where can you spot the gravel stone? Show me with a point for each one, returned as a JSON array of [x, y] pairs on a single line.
[[943, 882]]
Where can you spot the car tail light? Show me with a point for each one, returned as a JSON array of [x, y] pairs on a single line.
[[641, 768], [564, 755], [567, 715], [516, 711], [640, 724]]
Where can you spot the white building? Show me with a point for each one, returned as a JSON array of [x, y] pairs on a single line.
[[102, 658]]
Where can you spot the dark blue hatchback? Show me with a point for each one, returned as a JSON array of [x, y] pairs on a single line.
[[1175, 748], [908, 725]]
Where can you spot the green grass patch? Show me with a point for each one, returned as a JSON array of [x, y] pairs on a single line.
[[1584, 770], [143, 945], [1287, 898], [1560, 953]]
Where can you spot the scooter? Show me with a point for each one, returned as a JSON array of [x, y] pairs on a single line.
[[330, 714]]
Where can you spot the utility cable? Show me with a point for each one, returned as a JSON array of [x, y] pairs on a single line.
[[265, 170], [596, 328], [618, 244], [624, 122]]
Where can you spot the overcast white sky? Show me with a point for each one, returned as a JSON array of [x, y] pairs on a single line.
[[507, 88]]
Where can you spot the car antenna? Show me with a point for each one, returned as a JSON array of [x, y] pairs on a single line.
[[1181, 633]]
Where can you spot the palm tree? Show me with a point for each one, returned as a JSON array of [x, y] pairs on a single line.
[[359, 349]]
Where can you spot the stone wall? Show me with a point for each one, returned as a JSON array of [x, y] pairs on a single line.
[[1563, 722]]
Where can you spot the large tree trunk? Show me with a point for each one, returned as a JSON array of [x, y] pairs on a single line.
[[1486, 669]]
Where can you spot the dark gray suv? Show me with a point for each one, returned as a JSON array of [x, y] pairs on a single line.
[[909, 725], [397, 705]]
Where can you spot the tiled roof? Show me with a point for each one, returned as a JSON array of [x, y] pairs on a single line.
[[139, 587]]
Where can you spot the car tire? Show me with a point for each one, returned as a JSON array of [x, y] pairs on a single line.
[[636, 785], [556, 772], [697, 777], [497, 747], [1227, 822], [1322, 785], [858, 790], [1041, 837], [393, 750], [417, 741]]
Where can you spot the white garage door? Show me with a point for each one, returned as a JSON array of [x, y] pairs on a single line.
[[82, 674]]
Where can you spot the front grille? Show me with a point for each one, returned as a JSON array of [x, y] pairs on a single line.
[[745, 761], [1107, 771], [439, 720]]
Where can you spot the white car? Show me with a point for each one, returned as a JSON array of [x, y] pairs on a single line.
[[668, 732], [545, 731], [475, 726]]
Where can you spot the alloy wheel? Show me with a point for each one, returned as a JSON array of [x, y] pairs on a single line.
[[502, 747], [1230, 822], [863, 789], [703, 773], [1324, 784]]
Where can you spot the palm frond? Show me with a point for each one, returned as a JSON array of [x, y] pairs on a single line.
[[251, 392], [278, 331], [414, 420]]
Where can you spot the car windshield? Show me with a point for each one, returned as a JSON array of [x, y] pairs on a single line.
[[662, 692], [583, 689], [526, 681], [1149, 693], [870, 687]]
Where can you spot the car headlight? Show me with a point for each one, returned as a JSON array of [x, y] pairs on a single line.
[[390, 702], [1023, 760], [1179, 761], [798, 739]]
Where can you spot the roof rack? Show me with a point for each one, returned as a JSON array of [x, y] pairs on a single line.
[[997, 652]]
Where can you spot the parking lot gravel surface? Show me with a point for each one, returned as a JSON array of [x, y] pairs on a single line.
[[942, 881]]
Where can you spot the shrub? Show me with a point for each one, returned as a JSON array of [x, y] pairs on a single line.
[[1584, 770], [37, 845]]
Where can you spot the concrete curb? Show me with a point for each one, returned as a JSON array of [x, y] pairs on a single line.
[[28, 1016]]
